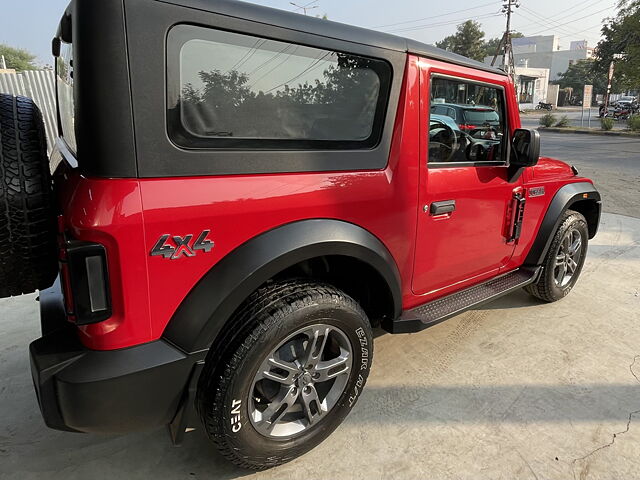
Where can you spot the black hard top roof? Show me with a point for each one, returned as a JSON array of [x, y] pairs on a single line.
[[327, 28]]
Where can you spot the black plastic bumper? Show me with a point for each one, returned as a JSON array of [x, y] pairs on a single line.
[[112, 391]]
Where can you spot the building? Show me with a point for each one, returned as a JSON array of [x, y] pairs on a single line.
[[532, 85], [545, 51]]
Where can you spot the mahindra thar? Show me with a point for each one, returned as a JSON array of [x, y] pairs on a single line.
[[238, 195]]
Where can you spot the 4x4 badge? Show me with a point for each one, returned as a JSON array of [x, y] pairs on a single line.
[[181, 246]]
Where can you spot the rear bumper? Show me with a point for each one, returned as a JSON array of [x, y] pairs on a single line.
[[113, 391]]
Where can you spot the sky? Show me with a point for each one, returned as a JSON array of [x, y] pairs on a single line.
[[31, 24]]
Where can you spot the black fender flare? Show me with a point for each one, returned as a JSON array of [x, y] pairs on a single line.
[[564, 199], [201, 315]]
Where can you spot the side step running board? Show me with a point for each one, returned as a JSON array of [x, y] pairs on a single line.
[[443, 308]]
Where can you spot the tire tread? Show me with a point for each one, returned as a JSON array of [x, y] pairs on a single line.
[[259, 314], [27, 223], [542, 289]]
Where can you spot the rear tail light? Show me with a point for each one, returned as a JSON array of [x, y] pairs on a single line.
[[467, 127], [86, 281]]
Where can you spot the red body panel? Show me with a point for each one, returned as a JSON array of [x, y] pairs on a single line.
[[552, 175], [129, 216], [109, 212], [469, 244]]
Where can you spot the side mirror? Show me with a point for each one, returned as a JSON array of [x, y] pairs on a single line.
[[525, 150], [55, 47]]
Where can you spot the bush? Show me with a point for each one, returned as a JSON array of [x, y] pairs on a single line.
[[607, 123], [634, 123], [547, 120], [563, 122]]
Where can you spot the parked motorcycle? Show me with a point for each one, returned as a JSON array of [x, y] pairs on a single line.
[[617, 111], [622, 113], [544, 106]]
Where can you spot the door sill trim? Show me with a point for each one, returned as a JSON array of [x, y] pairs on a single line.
[[436, 311]]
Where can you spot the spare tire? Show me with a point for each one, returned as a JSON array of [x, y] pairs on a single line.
[[27, 217]]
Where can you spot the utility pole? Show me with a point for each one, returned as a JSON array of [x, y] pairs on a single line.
[[612, 66], [505, 43], [304, 8]]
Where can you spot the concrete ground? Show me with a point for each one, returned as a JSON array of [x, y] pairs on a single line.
[[516, 389]]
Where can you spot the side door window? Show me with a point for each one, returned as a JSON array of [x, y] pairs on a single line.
[[473, 131]]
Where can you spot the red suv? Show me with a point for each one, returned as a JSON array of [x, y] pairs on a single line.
[[238, 195]]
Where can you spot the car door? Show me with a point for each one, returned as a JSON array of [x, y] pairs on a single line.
[[466, 197]]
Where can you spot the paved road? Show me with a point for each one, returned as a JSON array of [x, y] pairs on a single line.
[[612, 162]]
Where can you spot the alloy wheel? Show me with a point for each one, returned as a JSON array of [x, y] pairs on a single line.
[[567, 258], [300, 381]]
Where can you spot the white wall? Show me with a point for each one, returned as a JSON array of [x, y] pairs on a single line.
[[542, 52], [541, 86], [552, 94]]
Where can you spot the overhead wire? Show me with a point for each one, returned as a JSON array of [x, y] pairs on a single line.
[[247, 56], [442, 24], [539, 23], [538, 19], [314, 64], [434, 16], [579, 4], [572, 21], [279, 64], [599, 24], [271, 59]]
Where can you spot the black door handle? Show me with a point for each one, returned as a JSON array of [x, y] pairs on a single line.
[[440, 208]]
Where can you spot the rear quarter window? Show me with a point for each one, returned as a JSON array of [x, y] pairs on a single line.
[[231, 90]]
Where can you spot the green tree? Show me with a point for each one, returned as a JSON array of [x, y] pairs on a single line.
[[17, 58], [491, 45], [580, 74], [468, 41], [621, 38]]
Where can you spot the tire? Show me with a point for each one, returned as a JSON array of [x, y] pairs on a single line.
[[27, 220], [230, 394], [549, 286]]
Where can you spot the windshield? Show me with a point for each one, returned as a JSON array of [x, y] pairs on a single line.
[[64, 87], [481, 117]]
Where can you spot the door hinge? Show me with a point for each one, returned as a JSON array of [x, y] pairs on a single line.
[[517, 215]]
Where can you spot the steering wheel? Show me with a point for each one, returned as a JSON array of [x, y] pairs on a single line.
[[443, 136]]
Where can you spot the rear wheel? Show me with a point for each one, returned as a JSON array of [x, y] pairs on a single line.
[[290, 375], [27, 220], [564, 260]]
